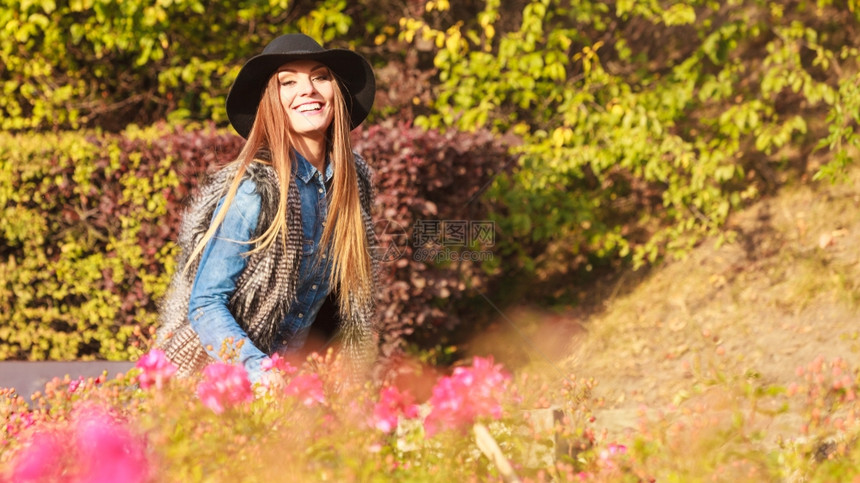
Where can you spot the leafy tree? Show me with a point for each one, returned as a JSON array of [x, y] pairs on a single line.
[[643, 123]]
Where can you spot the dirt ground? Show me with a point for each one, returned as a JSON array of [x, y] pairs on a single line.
[[784, 292]]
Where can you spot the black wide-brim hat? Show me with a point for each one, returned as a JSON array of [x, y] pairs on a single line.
[[353, 72]]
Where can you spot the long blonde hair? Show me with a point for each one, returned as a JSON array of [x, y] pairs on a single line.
[[344, 228]]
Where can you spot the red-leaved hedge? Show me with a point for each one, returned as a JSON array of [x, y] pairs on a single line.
[[425, 178]]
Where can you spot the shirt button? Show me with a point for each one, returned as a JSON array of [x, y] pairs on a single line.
[[314, 287], [301, 315], [320, 190], [324, 255]]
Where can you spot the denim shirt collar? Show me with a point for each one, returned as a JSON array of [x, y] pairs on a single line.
[[305, 170]]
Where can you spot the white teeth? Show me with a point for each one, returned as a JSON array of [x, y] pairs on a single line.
[[314, 106]]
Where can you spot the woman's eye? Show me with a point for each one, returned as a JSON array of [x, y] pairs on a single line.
[[322, 77], [287, 82]]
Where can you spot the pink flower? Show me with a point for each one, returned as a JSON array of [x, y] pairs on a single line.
[[95, 448], [392, 403], [74, 385], [278, 363], [469, 393], [308, 388], [42, 458], [108, 451], [16, 421], [224, 386], [156, 369]]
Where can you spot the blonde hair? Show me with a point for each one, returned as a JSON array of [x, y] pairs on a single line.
[[344, 227]]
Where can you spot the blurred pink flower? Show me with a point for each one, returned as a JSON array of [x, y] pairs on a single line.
[[607, 456], [392, 403], [224, 386], [94, 448], [107, 450], [156, 369], [306, 387], [279, 363], [17, 421], [74, 385], [41, 459], [469, 393]]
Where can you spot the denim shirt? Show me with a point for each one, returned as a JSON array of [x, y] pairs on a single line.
[[224, 259]]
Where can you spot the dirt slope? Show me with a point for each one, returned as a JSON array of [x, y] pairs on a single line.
[[786, 291]]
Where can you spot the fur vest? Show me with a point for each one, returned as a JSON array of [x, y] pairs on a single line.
[[267, 286]]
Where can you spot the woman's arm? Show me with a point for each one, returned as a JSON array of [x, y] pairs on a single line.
[[221, 263]]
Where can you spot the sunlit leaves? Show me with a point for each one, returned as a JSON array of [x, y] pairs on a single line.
[[109, 62], [628, 120]]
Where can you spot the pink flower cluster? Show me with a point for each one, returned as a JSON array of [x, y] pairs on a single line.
[[308, 388], [95, 447], [74, 385], [469, 393], [392, 403], [276, 362], [224, 386], [18, 421], [156, 369]]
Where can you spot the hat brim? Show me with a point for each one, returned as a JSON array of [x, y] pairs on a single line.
[[353, 72]]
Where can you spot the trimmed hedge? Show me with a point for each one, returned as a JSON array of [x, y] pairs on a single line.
[[88, 222]]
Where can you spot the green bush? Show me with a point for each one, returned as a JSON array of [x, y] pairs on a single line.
[[644, 124], [87, 224]]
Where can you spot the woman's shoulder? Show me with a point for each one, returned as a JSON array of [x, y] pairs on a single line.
[[247, 191], [255, 177], [248, 195], [358, 158]]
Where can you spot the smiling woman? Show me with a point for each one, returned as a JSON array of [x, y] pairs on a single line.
[[273, 234]]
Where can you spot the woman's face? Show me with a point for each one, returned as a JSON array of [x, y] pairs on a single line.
[[307, 94]]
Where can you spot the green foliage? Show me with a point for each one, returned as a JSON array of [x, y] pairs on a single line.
[[842, 122], [111, 62], [643, 124]]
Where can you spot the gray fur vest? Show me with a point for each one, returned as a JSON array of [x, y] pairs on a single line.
[[267, 286]]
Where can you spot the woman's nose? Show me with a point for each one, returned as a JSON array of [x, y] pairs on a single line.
[[306, 86]]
